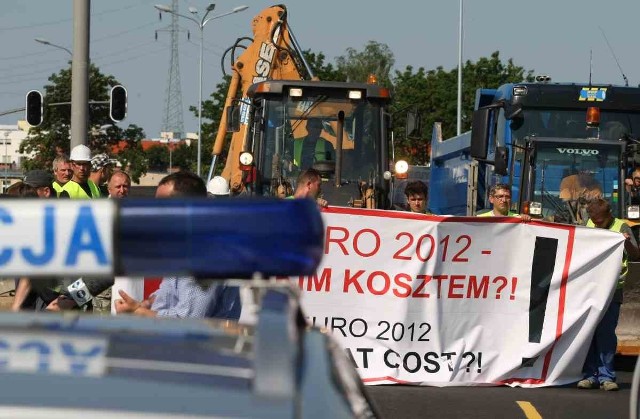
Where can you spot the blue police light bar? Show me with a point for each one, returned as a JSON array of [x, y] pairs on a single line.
[[233, 238]]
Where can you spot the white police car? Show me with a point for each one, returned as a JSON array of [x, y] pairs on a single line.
[[74, 365]]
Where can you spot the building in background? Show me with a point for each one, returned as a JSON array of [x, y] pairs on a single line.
[[11, 137]]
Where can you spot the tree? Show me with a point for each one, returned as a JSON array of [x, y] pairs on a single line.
[[322, 71], [158, 158], [375, 59], [51, 138], [434, 93], [182, 157]]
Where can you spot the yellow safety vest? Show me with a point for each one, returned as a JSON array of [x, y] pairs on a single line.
[[75, 191], [318, 155], [490, 214], [617, 227], [57, 187]]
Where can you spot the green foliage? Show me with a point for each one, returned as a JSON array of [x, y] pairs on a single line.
[[158, 158], [52, 137], [183, 156], [322, 71], [375, 59], [434, 94]]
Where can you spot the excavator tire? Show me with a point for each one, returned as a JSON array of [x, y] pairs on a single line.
[[628, 330]]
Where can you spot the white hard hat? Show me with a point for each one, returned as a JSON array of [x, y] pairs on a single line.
[[218, 186], [80, 153]]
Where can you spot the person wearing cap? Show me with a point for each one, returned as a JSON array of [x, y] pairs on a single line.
[[218, 187], [80, 186], [62, 172], [41, 180], [100, 172]]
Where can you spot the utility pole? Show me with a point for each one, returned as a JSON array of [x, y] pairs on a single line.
[[460, 34], [80, 72]]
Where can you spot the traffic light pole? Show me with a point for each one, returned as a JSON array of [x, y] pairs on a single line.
[[80, 72]]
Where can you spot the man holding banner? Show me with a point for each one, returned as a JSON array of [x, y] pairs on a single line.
[[500, 198], [598, 367]]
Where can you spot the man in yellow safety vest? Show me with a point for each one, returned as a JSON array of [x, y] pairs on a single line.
[[598, 370], [80, 186]]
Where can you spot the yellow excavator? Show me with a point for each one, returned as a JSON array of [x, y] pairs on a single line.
[[272, 106]]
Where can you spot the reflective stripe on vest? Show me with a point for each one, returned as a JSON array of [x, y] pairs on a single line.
[[75, 191], [617, 227]]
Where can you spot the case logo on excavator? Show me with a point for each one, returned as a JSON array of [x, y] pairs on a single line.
[[263, 65]]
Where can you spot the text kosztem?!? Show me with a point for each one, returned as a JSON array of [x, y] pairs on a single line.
[[403, 285]]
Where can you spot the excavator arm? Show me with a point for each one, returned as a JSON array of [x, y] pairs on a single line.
[[272, 54]]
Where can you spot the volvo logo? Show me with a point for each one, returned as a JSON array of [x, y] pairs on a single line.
[[579, 151]]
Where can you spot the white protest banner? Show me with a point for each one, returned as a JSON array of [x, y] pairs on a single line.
[[444, 301]]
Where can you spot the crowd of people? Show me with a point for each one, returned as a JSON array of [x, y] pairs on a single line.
[[82, 176]]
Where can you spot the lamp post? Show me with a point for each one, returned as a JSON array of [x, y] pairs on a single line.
[[201, 22], [45, 42]]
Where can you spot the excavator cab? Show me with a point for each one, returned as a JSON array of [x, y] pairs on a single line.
[[339, 129]]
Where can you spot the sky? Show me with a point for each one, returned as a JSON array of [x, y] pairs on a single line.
[[555, 38]]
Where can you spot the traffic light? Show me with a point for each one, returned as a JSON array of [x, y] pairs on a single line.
[[118, 103], [33, 108]]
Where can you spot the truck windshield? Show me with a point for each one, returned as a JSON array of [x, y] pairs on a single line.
[[303, 132], [567, 174], [571, 123], [566, 148]]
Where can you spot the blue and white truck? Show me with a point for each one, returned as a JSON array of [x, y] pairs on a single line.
[[532, 136], [556, 145]]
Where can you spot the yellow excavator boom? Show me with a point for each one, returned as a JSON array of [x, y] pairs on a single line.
[[273, 54]]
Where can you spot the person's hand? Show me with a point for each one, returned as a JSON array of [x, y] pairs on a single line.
[[126, 304], [62, 303], [322, 203], [628, 182], [148, 302], [525, 218]]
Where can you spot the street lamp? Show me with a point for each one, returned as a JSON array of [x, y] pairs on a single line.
[[45, 42], [201, 23]]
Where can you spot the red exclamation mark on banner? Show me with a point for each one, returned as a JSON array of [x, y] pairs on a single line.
[[514, 284]]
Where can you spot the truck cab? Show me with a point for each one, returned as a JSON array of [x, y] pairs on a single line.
[[557, 145]]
